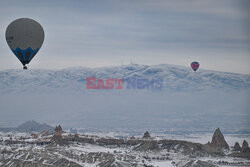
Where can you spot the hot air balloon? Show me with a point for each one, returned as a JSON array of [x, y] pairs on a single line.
[[195, 65], [24, 37]]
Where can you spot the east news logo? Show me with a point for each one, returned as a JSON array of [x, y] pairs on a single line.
[[128, 83]]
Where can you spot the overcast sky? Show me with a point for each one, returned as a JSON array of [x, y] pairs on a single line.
[[107, 32]]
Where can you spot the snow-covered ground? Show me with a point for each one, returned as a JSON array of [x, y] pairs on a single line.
[[79, 152], [93, 155]]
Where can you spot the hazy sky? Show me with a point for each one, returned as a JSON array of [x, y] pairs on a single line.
[[107, 32]]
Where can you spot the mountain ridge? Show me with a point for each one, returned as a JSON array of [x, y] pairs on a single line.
[[175, 77], [29, 126]]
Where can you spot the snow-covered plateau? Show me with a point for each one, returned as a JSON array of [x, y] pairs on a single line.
[[64, 149]]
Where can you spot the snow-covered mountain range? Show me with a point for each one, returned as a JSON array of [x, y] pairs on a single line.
[[176, 78], [202, 100]]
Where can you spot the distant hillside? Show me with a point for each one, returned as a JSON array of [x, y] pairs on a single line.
[[29, 126]]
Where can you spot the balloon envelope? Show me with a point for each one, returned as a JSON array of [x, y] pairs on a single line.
[[195, 65], [24, 37]]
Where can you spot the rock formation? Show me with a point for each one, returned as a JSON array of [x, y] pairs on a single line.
[[218, 140], [146, 135], [57, 137], [132, 138], [58, 129], [218, 144], [237, 147], [245, 147], [241, 152]]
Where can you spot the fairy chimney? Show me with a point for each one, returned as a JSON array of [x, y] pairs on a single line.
[[237, 147], [245, 147], [146, 135], [218, 140]]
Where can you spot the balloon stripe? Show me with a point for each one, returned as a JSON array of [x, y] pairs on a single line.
[[23, 56]]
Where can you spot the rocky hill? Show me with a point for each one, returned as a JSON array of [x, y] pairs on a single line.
[[29, 126]]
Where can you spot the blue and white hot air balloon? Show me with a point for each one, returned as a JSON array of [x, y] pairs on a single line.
[[24, 37]]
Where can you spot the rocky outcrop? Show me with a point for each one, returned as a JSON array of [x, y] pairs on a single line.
[[132, 138], [57, 137], [241, 152], [146, 135], [218, 144], [218, 140], [58, 129], [236, 147], [245, 147]]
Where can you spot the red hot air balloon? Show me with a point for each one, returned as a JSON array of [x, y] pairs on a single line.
[[195, 65]]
